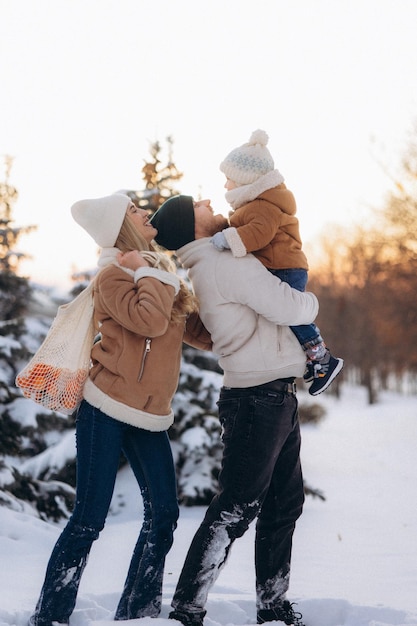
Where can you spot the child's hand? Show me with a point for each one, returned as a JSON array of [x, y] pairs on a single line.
[[219, 242]]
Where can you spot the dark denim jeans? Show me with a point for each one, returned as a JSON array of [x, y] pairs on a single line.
[[308, 335], [260, 477], [100, 441]]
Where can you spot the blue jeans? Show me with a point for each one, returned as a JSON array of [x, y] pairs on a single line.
[[308, 335], [100, 441], [260, 478]]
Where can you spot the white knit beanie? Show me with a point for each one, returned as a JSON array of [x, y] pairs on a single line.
[[244, 165], [102, 218]]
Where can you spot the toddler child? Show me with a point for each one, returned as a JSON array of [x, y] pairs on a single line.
[[262, 221]]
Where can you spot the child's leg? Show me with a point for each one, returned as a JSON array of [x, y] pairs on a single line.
[[321, 367], [308, 335]]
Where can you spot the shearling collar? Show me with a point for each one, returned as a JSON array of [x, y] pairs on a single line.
[[108, 256], [246, 193]]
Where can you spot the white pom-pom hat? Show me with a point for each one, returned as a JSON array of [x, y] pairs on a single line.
[[102, 218], [244, 165]]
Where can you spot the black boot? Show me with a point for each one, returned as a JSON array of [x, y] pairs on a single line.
[[284, 613], [187, 619]]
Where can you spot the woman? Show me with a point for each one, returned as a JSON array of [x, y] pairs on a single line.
[[143, 312]]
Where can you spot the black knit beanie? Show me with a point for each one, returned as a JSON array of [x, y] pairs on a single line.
[[174, 221]]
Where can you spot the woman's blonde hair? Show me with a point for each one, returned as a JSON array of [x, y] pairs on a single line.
[[130, 239]]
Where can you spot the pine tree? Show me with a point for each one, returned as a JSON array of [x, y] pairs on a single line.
[[14, 289], [160, 180], [15, 292], [24, 428]]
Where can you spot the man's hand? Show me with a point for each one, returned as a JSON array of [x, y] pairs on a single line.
[[219, 242]]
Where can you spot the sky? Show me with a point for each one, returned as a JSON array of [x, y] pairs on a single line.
[[354, 554], [88, 85]]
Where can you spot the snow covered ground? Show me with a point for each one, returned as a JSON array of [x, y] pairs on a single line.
[[355, 555]]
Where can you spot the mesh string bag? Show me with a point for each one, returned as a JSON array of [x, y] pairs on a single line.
[[55, 375]]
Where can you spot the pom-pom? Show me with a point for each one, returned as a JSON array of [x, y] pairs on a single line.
[[258, 137]]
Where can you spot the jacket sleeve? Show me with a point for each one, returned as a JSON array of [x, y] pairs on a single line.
[[143, 307], [261, 223], [196, 334], [246, 281]]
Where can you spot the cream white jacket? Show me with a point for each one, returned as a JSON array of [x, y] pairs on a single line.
[[247, 310]]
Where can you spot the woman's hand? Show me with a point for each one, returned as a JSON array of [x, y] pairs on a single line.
[[132, 260]]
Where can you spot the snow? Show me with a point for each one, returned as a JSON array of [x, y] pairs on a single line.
[[52, 458], [24, 411], [355, 554], [7, 344]]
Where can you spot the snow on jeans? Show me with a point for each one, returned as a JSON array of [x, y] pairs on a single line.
[[100, 440], [260, 477]]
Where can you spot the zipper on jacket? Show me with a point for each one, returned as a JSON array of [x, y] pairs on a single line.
[[145, 354]]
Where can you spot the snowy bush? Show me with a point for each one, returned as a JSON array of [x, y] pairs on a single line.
[[195, 434]]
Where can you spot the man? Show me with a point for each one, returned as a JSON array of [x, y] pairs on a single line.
[[247, 310]]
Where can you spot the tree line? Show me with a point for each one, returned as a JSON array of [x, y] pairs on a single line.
[[367, 286]]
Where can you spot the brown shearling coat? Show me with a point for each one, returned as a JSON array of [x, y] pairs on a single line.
[[268, 228], [136, 363]]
